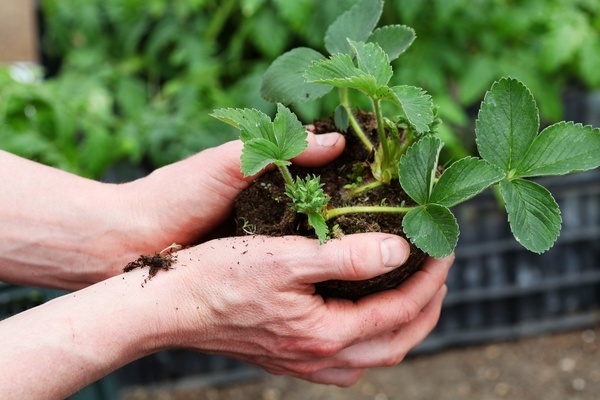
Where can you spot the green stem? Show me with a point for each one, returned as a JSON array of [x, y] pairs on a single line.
[[381, 131], [287, 176], [362, 188], [345, 102], [336, 212], [409, 139]]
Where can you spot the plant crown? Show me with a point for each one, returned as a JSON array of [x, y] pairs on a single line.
[[507, 135]]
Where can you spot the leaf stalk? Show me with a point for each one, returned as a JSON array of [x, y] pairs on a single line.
[[345, 102], [336, 212]]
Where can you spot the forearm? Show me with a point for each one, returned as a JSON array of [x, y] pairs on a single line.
[[60, 230], [61, 346]]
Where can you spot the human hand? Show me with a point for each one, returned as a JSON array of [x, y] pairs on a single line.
[[185, 201], [64, 231], [252, 298]]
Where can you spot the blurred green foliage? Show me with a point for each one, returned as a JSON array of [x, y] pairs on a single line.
[[134, 81]]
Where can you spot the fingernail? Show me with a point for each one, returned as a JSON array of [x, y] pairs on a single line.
[[393, 252], [327, 139]]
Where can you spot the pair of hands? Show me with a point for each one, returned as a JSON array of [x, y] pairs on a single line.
[[259, 291]]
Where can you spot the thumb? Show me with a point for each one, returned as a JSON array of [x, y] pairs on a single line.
[[357, 257]]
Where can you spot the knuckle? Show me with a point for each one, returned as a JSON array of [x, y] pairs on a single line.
[[393, 360], [313, 348], [324, 349], [356, 258], [303, 369], [409, 310]]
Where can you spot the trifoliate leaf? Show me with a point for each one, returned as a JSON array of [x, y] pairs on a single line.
[[464, 179], [416, 105], [251, 122], [507, 124], [356, 24], [266, 141], [284, 80], [371, 59], [393, 39], [560, 149], [290, 134], [257, 154], [533, 214], [432, 228], [417, 168], [339, 70]]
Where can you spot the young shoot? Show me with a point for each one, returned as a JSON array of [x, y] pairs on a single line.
[[360, 58], [510, 146], [511, 151], [277, 142]]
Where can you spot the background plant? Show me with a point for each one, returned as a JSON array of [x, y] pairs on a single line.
[[135, 81]]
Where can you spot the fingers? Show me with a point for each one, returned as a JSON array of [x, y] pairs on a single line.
[[388, 310], [225, 159], [353, 257], [356, 257], [384, 350], [390, 348], [321, 149]]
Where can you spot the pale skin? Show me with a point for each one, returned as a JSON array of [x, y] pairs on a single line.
[[250, 297]]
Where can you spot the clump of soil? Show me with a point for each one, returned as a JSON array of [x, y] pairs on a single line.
[[154, 263], [263, 209]]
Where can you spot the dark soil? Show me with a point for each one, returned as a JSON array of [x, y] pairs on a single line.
[[154, 263], [263, 209]]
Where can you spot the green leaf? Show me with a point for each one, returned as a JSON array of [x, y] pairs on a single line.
[[507, 124], [251, 122], [371, 59], [393, 39], [290, 134], [533, 214], [257, 154], [464, 179], [416, 105], [284, 80], [417, 168], [564, 38], [339, 70], [341, 118], [265, 142], [356, 24], [432, 228], [318, 223], [589, 60], [560, 149]]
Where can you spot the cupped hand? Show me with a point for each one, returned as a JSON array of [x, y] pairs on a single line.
[[253, 298], [185, 201]]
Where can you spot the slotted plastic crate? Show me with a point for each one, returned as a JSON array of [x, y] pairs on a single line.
[[499, 291]]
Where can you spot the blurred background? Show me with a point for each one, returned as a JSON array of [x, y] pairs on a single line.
[[113, 89]]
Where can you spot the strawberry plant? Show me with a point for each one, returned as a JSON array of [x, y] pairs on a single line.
[[404, 153]]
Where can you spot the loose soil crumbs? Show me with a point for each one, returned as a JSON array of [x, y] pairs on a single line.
[[155, 263]]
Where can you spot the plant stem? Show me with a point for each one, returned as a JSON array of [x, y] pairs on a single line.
[[381, 131], [287, 176], [336, 212], [409, 139], [362, 188], [345, 102]]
